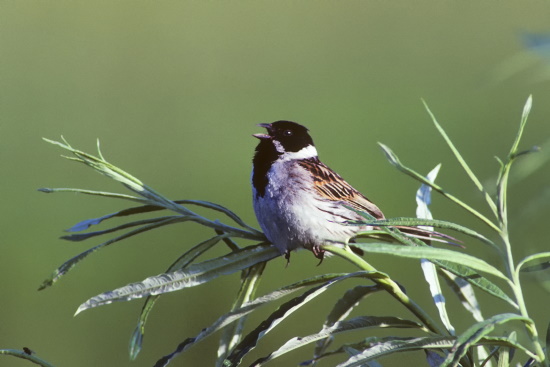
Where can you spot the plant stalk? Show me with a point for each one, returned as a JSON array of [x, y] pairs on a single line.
[[389, 285]]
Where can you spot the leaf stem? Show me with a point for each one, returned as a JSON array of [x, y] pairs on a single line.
[[397, 163], [513, 272]]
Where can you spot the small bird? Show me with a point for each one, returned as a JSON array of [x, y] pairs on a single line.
[[298, 200]]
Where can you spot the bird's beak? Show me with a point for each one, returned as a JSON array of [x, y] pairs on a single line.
[[263, 136]]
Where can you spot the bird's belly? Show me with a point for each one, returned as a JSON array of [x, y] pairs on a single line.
[[292, 221]]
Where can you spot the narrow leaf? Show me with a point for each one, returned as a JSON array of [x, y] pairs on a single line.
[[347, 303], [524, 116], [342, 309], [534, 257], [432, 253], [468, 274], [462, 162], [106, 169], [474, 333], [247, 309], [502, 179], [437, 223], [69, 264], [464, 291], [232, 334], [505, 354], [221, 209], [150, 208], [503, 341], [184, 260], [485, 356], [536, 267], [375, 347], [356, 323], [423, 200], [193, 275], [85, 224], [84, 236], [424, 197], [477, 280], [392, 345], [95, 193], [285, 310], [430, 274], [395, 161]]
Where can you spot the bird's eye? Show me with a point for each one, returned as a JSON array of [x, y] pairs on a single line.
[[287, 133]]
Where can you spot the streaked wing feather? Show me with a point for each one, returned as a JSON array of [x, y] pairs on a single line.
[[332, 186]]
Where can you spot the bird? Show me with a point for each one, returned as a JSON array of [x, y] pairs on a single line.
[[298, 200]]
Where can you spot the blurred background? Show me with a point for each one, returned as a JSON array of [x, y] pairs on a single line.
[[173, 91]]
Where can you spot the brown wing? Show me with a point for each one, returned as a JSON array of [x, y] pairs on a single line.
[[331, 186]]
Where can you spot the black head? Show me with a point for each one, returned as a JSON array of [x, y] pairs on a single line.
[[282, 137], [286, 136]]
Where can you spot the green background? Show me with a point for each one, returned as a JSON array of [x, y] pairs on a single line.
[[173, 90]]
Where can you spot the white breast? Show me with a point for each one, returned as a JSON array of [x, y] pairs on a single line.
[[292, 215]]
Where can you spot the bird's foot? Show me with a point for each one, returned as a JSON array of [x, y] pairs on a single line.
[[319, 253], [287, 257]]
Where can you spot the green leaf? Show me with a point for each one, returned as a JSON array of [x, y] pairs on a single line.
[[524, 116], [105, 168], [342, 309], [84, 236], [347, 303], [376, 347], [424, 195], [285, 310], [477, 280], [468, 274], [154, 198], [111, 195], [502, 180], [462, 162], [69, 264], [193, 275], [395, 161], [504, 357], [503, 341], [356, 323], [224, 210], [429, 270], [432, 253], [232, 334], [380, 347], [536, 267], [460, 270], [187, 258], [475, 333], [436, 223], [464, 291], [249, 307], [534, 257], [146, 209]]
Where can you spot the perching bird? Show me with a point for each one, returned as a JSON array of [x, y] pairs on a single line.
[[298, 200]]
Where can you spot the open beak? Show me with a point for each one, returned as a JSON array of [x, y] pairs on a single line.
[[263, 136]]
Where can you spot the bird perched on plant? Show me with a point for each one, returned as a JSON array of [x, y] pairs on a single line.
[[298, 200]]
